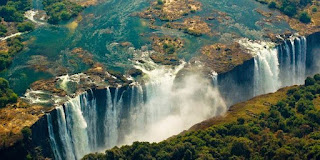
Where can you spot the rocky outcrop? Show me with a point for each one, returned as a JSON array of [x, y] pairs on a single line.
[[193, 26], [170, 9], [166, 48], [222, 58]]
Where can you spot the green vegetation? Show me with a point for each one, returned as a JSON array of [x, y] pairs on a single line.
[[289, 130], [3, 30], [314, 9], [291, 8], [304, 17], [6, 94], [13, 10], [61, 10], [160, 2], [15, 45], [169, 48], [272, 4], [25, 26], [26, 132]]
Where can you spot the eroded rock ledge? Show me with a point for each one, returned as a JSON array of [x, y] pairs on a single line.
[[222, 58]]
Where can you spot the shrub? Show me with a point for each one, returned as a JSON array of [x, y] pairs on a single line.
[[310, 81], [290, 10], [304, 17], [241, 147], [6, 94], [317, 77], [241, 120], [272, 4], [10, 14], [314, 9], [160, 2], [3, 30], [25, 26], [26, 132], [61, 10]]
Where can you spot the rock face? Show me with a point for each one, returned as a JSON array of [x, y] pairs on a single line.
[[84, 55], [234, 83], [166, 44], [28, 113], [173, 10], [223, 58], [170, 9], [57, 89], [166, 48], [193, 26]]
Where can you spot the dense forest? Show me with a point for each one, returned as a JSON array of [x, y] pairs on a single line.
[[61, 10], [290, 130]]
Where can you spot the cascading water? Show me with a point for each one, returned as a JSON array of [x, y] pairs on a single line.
[[73, 131], [151, 111], [266, 72], [292, 55], [53, 142], [276, 67]]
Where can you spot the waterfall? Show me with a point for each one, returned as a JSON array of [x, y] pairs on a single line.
[[73, 130], [266, 71], [64, 134], [53, 142], [151, 111], [162, 104], [111, 120], [293, 55], [277, 66], [89, 109], [214, 76]]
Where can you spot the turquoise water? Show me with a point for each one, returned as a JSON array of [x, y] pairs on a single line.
[[111, 22]]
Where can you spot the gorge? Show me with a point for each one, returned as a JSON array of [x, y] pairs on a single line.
[[123, 115], [95, 74]]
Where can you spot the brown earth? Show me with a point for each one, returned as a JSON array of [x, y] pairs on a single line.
[[194, 26], [223, 58], [170, 9], [14, 117], [166, 48], [159, 43]]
